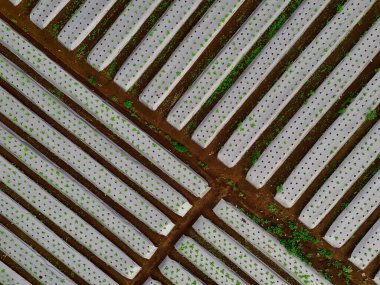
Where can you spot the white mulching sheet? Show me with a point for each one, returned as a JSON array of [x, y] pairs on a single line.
[[207, 263], [119, 34], [15, 2], [352, 167], [56, 246], [84, 164], [30, 260], [255, 73], [177, 274], [368, 248], [103, 112], [315, 107], [356, 213], [187, 53], [243, 40], [154, 42], [377, 278], [45, 11], [151, 281], [292, 80], [329, 143], [69, 187], [67, 220], [96, 140], [8, 276], [83, 22], [234, 251], [267, 244]]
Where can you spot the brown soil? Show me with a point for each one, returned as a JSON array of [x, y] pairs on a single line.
[[226, 183]]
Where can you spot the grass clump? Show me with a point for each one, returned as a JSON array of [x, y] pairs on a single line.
[[272, 208], [325, 253], [294, 244], [92, 80], [255, 156], [339, 8], [128, 104], [179, 147], [344, 271], [371, 115]]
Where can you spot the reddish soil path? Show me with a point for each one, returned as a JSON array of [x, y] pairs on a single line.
[[226, 183]]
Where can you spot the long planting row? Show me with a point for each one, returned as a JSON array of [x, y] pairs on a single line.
[[9, 276], [206, 262], [30, 260], [55, 245], [83, 163], [255, 73], [329, 143], [154, 42], [45, 11], [342, 229], [343, 178], [292, 80], [226, 60], [177, 274], [97, 141], [316, 107], [120, 33], [264, 113], [267, 244], [356, 213], [187, 53], [76, 192], [83, 22], [102, 111], [368, 248], [66, 219], [234, 251]]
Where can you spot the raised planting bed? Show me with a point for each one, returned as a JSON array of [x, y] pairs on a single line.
[[225, 61], [356, 213], [154, 42], [329, 143], [265, 61], [103, 112], [8, 276], [177, 274], [30, 260], [67, 220], [342, 179], [83, 22], [45, 11], [316, 107], [120, 33], [187, 53], [234, 251], [56, 246], [267, 244], [368, 247], [207, 263], [291, 81], [77, 193], [142, 176], [84, 164]]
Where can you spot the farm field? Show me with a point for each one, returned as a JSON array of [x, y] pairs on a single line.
[[190, 142]]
